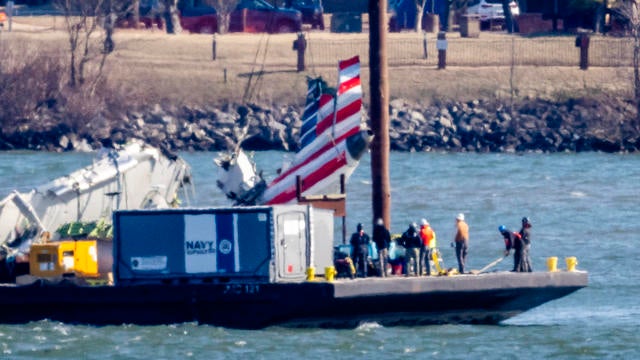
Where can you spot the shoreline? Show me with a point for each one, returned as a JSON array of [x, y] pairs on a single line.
[[598, 123]]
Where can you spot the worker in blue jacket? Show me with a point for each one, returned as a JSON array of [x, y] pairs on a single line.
[[513, 240]]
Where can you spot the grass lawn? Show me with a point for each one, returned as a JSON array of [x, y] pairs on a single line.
[[262, 68]]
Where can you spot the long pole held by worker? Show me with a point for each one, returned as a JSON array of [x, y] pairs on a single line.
[[379, 90], [491, 264]]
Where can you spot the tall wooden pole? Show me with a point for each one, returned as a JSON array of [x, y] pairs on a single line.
[[379, 90]]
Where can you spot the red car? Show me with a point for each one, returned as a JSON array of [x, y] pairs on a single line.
[[249, 16], [199, 20]]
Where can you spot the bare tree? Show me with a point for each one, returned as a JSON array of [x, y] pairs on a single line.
[[90, 25], [223, 11], [110, 15], [81, 24], [135, 7], [172, 16], [420, 4]]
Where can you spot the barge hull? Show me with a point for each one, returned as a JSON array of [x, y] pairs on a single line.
[[475, 299]]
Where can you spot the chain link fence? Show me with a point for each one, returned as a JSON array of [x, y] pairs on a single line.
[[561, 51]]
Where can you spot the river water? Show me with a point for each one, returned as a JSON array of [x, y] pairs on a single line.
[[584, 205]]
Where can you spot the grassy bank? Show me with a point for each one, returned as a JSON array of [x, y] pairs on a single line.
[[155, 67]]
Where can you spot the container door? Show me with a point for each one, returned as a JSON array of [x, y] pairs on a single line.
[[322, 235], [291, 242]]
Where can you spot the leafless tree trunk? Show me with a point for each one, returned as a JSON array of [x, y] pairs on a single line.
[[80, 22], [420, 4], [223, 10], [172, 16], [86, 42], [136, 13], [110, 18]]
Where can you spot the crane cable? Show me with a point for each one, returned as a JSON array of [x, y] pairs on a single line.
[[251, 83], [313, 63], [253, 86]]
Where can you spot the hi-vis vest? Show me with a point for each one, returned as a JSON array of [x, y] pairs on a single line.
[[428, 236]]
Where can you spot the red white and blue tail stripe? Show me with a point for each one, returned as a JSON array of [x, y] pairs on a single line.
[[328, 122]]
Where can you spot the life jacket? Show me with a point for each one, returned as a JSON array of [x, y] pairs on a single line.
[[428, 236], [507, 240], [516, 237]]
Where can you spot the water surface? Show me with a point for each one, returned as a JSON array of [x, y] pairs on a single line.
[[583, 205]]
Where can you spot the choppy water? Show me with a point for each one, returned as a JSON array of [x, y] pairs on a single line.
[[583, 205]]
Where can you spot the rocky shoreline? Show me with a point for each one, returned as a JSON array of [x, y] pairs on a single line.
[[588, 124]]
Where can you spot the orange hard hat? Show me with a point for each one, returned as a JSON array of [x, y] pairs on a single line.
[[3, 16]]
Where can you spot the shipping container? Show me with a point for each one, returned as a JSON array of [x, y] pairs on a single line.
[[262, 244]]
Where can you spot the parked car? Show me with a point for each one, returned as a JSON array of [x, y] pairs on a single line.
[[248, 16], [312, 11], [260, 16], [199, 20], [491, 10]]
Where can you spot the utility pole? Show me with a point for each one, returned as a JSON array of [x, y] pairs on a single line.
[[379, 93]]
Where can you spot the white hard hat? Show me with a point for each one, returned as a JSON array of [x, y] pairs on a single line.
[[424, 222], [460, 217]]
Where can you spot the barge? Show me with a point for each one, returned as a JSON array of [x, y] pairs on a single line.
[[248, 268]]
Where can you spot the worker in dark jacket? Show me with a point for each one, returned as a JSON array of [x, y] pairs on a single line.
[[382, 238], [513, 240], [360, 250], [525, 233], [412, 243]]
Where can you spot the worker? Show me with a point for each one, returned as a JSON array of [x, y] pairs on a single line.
[[382, 238], [411, 242], [461, 242], [428, 238], [513, 240], [360, 250], [525, 233]]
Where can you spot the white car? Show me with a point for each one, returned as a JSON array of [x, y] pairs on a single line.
[[490, 10]]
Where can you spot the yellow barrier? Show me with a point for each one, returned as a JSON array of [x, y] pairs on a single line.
[[571, 261], [552, 264], [330, 273], [311, 273]]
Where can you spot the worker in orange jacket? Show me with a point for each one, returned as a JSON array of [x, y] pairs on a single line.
[[461, 241], [428, 237]]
